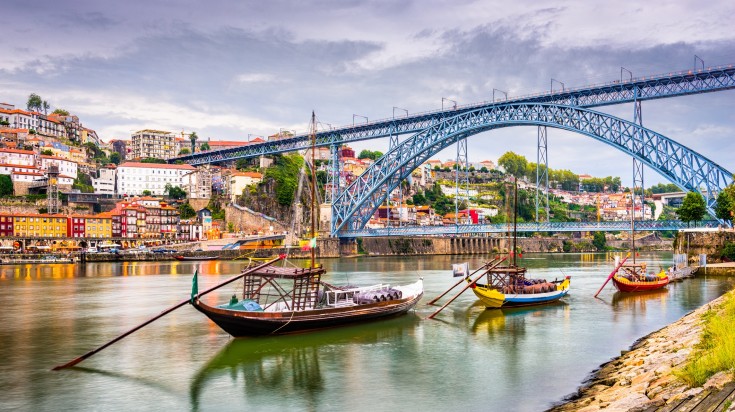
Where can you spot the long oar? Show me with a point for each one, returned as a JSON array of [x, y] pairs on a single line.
[[612, 274], [460, 281], [165, 312], [466, 287]]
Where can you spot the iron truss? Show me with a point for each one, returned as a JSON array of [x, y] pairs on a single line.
[[689, 170], [468, 230], [617, 92]]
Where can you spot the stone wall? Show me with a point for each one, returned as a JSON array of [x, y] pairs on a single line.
[[248, 222], [709, 243]]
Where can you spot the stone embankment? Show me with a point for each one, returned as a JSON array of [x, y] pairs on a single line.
[[643, 379]]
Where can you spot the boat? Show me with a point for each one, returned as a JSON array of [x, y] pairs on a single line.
[[48, 259], [283, 300], [508, 286], [195, 258], [633, 278]]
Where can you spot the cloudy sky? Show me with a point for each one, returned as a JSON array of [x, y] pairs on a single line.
[[230, 69]]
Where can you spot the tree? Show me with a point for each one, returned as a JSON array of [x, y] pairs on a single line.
[[47, 152], [193, 138], [725, 205], [693, 208], [147, 192], [45, 106], [6, 186], [174, 192], [35, 102], [513, 164], [598, 241], [152, 160], [115, 158], [184, 151], [61, 112], [483, 169], [369, 154], [204, 147], [186, 211], [241, 164]]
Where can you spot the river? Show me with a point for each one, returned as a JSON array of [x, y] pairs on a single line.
[[468, 358]]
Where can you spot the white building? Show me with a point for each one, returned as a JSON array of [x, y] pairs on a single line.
[[66, 167], [133, 178], [17, 157], [240, 180], [105, 181], [198, 183], [17, 118]]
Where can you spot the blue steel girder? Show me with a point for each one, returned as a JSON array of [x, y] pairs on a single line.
[[686, 168], [470, 230], [617, 92]]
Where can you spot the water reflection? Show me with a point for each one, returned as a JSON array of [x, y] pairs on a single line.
[[514, 320], [637, 302], [292, 364]]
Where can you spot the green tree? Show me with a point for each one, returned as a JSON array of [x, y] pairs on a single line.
[[598, 241], [83, 183], [61, 112], [47, 152], [241, 164], [35, 102], [483, 169], [174, 192], [193, 138], [285, 172], [693, 208], [370, 154], [725, 205], [230, 227], [513, 164], [186, 211], [115, 158], [6, 186], [147, 192], [204, 147], [184, 151]]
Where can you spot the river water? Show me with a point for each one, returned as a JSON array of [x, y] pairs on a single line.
[[468, 358]]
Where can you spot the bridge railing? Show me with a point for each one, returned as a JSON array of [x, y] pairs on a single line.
[[464, 230]]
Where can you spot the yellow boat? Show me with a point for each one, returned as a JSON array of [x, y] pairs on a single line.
[[508, 287]]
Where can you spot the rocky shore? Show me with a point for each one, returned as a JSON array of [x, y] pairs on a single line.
[[642, 378]]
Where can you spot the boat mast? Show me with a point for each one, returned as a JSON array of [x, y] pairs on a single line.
[[312, 136], [632, 222], [515, 218]]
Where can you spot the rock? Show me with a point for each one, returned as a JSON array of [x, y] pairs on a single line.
[[718, 380], [632, 400]]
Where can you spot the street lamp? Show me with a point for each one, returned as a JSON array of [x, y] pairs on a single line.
[[505, 93], [394, 111], [449, 100], [357, 115], [552, 85]]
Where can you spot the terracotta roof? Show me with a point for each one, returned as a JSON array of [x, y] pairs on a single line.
[[28, 152], [19, 166], [27, 173], [254, 175], [157, 165]]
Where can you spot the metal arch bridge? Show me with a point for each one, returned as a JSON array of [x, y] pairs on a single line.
[[616, 92], [617, 226], [353, 207]]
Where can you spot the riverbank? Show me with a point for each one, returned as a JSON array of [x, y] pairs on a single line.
[[643, 379]]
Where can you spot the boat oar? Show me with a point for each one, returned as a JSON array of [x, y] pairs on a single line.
[[493, 266], [165, 312], [460, 281], [612, 274]]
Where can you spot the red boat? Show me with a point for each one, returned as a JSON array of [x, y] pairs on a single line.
[[633, 278]]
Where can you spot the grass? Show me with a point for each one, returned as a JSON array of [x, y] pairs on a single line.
[[716, 350]]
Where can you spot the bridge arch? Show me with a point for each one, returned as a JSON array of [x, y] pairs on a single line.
[[684, 167]]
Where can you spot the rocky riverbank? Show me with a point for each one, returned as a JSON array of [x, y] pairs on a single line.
[[643, 378]]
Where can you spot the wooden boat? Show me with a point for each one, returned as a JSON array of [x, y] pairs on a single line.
[[49, 259], [633, 278], [279, 300], [508, 287], [194, 258]]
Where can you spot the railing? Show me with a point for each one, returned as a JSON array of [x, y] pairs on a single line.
[[469, 230]]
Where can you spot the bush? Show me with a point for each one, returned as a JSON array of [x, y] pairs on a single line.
[[729, 251]]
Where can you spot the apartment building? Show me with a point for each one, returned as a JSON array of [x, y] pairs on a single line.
[[133, 178], [152, 143]]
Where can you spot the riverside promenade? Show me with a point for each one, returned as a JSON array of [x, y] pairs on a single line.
[[642, 379]]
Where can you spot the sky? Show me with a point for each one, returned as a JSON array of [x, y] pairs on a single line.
[[233, 70]]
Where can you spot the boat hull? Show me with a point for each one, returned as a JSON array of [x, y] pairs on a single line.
[[494, 299], [249, 323], [194, 258], [624, 285]]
